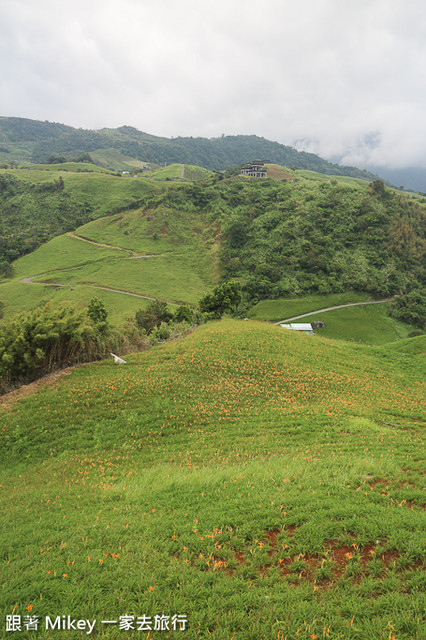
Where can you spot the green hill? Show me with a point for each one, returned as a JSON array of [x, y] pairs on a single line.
[[282, 239], [258, 482], [39, 203], [413, 346], [368, 324], [113, 159], [161, 252], [180, 171], [33, 141]]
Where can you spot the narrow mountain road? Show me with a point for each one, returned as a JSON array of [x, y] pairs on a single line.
[[71, 234], [135, 254], [340, 306], [29, 280]]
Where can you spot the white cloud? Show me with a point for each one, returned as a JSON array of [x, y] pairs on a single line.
[[328, 72]]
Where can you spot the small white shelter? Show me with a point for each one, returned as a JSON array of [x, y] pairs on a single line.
[[299, 326]]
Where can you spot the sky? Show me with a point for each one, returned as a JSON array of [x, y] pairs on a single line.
[[342, 78]]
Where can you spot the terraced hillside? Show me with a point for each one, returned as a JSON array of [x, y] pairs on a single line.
[[257, 483]]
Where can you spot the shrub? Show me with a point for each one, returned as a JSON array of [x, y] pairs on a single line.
[[161, 333], [410, 308], [224, 297], [97, 312], [183, 314]]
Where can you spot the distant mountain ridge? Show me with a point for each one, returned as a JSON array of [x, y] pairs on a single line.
[[26, 140]]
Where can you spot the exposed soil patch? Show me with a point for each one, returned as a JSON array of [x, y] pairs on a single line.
[[411, 503], [323, 570], [271, 540], [374, 483], [405, 484], [239, 557], [8, 399]]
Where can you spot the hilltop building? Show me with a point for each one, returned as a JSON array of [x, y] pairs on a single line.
[[255, 169]]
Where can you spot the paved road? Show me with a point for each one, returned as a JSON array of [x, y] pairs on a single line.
[[340, 306]]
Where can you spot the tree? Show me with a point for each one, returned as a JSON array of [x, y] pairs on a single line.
[[377, 188], [224, 297], [96, 311], [6, 269], [183, 314], [151, 317]]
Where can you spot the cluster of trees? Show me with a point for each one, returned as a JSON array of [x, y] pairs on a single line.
[[36, 342], [154, 320], [410, 308], [47, 338], [85, 157]]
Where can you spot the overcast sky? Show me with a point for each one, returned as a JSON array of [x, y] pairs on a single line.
[[341, 78]]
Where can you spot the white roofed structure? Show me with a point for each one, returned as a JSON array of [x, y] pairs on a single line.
[[299, 326]]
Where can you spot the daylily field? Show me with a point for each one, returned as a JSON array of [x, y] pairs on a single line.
[[250, 481]]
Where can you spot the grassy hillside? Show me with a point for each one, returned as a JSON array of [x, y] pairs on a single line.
[[281, 308], [161, 253], [258, 482], [104, 191], [180, 171], [368, 324], [76, 167], [19, 297], [113, 159], [412, 346], [46, 201]]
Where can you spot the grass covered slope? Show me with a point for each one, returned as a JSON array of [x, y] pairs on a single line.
[[258, 481], [367, 324], [161, 253], [38, 204]]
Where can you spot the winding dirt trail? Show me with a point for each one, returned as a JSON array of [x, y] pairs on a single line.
[[71, 234], [340, 306], [30, 279]]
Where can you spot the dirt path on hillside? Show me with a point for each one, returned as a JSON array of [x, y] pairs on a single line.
[[135, 256], [71, 234], [127, 293], [8, 399], [340, 306], [29, 280]]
